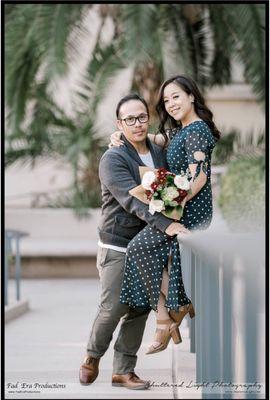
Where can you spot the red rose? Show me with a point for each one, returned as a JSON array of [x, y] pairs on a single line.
[[154, 186], [161, 173], [148, 194], [182, 195]]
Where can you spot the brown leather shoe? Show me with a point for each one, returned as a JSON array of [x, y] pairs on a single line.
[[130, 381], [89, 370]]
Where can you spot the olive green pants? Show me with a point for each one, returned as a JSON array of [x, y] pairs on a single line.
[[110, 264]]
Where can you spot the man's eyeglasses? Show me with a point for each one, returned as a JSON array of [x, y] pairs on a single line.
[[143, 118]]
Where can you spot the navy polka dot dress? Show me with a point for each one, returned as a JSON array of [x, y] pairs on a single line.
[[148, 252]]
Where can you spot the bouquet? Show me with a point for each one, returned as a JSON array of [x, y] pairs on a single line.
[[164, 191]]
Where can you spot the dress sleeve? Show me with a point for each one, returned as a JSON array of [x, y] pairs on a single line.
[[197, 149]]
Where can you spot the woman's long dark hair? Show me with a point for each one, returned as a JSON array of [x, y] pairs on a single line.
[[190, 87]]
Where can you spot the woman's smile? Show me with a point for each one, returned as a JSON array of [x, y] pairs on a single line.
[[175, 110]]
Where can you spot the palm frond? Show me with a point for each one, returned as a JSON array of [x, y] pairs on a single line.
[[105, 63], [222, 43], [36, 36], [173, 24], [55, 24], [249, 36], [140, 24], [22, 61], [44, 134]]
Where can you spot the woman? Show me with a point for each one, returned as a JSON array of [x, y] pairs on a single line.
[[192, 137]]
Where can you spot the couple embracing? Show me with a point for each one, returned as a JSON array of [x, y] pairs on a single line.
[[135, 246]]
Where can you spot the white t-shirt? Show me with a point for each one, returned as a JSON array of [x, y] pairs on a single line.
[[147, 160]]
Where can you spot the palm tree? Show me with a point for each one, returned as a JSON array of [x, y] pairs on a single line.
[[41, 42], [46, 130]]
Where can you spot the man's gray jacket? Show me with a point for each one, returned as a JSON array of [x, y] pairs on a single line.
[[123, 216]]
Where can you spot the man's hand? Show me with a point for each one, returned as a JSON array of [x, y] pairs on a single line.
[[174, 228], [115, 139]]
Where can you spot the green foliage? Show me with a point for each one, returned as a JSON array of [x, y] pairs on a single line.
[[169, 210], [223, 44], [35, 39], [78, 199], [223, 150], [242, 195], [140, 27], [170, 179], [247, 26], [232, 145]]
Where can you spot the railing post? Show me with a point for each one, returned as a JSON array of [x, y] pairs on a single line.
[[198, 324], [252, 304], [11, 234], [227, 373], [211, 317], [193, 297]]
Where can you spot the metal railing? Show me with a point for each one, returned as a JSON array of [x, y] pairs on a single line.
[[224, 275], [12, 247]]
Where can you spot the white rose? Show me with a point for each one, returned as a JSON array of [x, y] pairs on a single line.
[[147, 180], [169, 193], [156, 206], [181, 182]]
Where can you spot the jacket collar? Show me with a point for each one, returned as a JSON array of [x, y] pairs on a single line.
[[134, 154]]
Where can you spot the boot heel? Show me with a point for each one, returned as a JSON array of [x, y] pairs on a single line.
[[176, 336], [191, 311]]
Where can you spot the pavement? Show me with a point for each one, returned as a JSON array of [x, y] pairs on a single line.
[[45, 347]]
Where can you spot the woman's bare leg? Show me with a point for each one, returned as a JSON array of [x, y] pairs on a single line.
[[162, 313], [165, 282]]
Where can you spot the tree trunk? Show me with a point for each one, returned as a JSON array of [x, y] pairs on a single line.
[[147, 80]]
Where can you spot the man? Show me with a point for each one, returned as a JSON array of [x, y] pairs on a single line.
[[123, 216]]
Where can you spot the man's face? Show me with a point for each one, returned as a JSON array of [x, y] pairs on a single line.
[[134, 132]]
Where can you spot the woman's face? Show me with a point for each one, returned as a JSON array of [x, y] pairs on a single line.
[[177, 102]]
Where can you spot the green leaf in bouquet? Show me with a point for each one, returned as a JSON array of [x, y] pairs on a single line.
[[170, 179], [173, 212], [162, 193], [179, 208], [168, 210], [173, 203]]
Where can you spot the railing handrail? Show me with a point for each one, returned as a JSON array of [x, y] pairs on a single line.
[[14, 232], [226, 243]]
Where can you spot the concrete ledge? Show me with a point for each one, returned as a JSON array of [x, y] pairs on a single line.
[[16, 310], [57, 267], [55, 232], [44, 247]]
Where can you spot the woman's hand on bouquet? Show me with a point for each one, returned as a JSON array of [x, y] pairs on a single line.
[[175, 228], [115, 140]]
